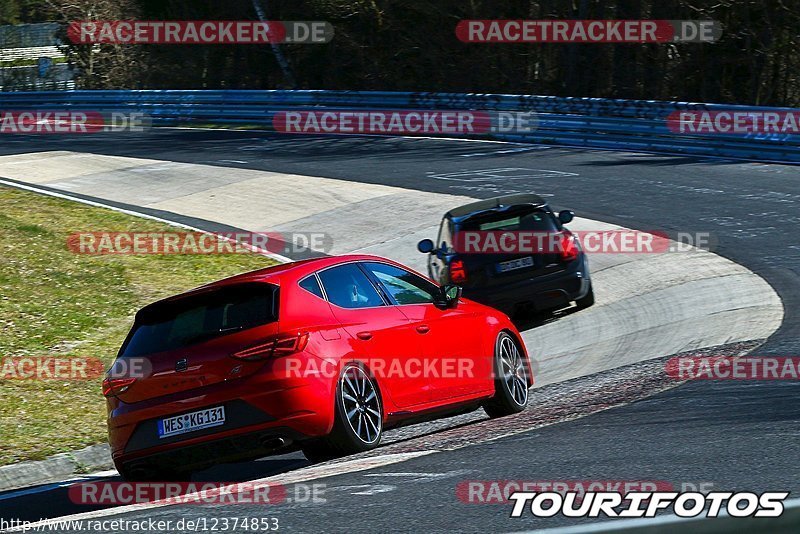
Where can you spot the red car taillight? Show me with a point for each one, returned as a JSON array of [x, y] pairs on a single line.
[[276, 347], [114, 386], [457, 272], [568, 250]]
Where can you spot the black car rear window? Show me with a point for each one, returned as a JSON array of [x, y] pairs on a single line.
[[526, 219], [197, 318]]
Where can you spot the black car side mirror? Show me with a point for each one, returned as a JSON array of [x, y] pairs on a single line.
[[565, 216], [449, 296], [425, 246]]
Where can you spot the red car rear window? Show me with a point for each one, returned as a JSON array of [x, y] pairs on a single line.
[[197, 318]]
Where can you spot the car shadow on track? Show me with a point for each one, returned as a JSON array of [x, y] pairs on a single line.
[[533, 320], [244, 471], [55, 500]]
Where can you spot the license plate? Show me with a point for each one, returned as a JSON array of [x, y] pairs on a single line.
[[512, 265], [190, 422]]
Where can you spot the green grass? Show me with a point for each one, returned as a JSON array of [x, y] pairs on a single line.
[[56, 302]]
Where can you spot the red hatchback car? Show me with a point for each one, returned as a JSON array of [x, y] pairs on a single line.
[[321, 355]]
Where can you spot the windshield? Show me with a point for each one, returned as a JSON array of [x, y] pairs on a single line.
[[525, 219]]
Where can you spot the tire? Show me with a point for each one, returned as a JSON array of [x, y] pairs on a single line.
[[511, 382], [358, 418], [587, 300]]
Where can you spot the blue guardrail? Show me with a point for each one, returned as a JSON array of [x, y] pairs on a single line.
[[629, 125]]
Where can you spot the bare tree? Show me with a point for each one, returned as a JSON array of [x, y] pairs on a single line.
[[101, 66]]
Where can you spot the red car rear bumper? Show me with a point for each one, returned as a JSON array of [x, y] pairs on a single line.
[[259, 410]]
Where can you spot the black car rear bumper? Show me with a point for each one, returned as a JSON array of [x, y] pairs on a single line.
[[550, 291]]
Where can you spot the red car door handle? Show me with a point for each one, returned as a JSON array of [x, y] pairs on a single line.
[[364, 335], [423, 329]]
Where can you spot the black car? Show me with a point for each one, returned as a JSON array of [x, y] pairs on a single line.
[[520, 275]]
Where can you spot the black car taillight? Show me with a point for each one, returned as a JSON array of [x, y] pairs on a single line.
[[276, 347], [568, 249], [457, 272]]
